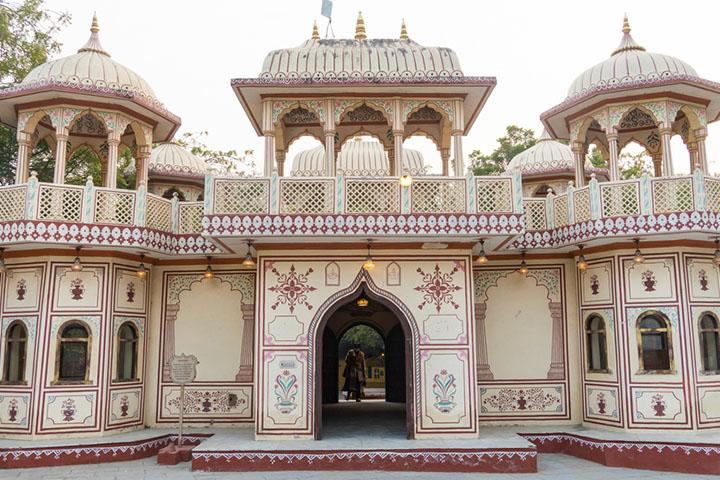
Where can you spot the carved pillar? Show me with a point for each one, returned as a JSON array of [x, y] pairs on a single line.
[[459, 162], [483, 367], [557, 355], [23, 157], [445, 157], [700, 135], [141, 164], [269, 133], [280, 159], [245, 371], [665, 136], [578, 150], [398, 166], [61, 140], [112, 162], [171, 312], [613, 160], [330, 165], [657, 164]]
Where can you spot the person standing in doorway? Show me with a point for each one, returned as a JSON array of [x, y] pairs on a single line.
[[354, 373]]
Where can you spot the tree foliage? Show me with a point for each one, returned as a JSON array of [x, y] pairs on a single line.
[[27, 31], [220, 162], [370, 341], [633, 165], [515, 140]]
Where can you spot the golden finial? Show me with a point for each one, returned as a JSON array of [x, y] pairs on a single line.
[[626, 25], [403, 31], [315, 34], [360, 28], [94, 28]]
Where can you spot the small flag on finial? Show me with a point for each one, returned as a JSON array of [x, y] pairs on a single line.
[[326, 9]]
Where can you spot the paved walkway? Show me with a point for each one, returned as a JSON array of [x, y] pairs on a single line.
[[550, 466]]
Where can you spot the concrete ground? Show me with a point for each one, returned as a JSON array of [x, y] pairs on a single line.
[[550, 466]]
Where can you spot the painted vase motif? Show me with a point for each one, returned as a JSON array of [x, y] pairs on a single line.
[[444, 389], [601, 403], [77, 289], [703, 280], [286, 390], [12, 410], [594, 284], [131, 292], [21, 289], [206, 404], [124, 406], [68, 410], [522, 402], [649, 280], [658, 404]]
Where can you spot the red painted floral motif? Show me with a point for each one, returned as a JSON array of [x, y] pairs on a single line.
[[21, 289], [12, 410], [292, 288], [649, 280], [68, 410], [601, 403], [702, 274], [437, 288], [124, 406], [130, 292], [209, 401], [77, 289], [658, 404], [594, 284], [509, 400]]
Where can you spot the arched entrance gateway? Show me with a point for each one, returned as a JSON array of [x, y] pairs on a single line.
[[390, 409]]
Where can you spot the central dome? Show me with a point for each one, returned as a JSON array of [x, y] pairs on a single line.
[[629, 64]]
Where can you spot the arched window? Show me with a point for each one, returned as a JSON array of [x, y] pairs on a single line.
[[542, 191], [596, 344], [710, 343], [170, 193], [127, 352], [15, 353], [73, 353], [654, 343]]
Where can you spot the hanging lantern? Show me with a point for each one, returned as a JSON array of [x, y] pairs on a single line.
[[638, 256], [482, 258], [77, 264], [141, 271], [581, 262], [209, 271], [368, 264], [248, 261]]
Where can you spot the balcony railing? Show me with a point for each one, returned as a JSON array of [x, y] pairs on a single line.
[[362, 195], [104, 206], [626, 198]]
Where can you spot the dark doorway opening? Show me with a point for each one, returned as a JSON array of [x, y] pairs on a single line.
[[386, 342]]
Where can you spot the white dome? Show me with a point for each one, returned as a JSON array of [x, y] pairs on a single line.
[[172, 160], [91, 67], [628, 64], [356, 158], [547, 156]]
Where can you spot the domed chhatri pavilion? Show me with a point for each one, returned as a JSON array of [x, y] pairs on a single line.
[[568, 309]]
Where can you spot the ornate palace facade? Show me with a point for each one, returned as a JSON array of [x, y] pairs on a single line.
[[553, 293]]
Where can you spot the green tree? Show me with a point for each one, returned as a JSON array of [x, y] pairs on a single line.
[[27, 31], [370, 341], [633, 165], [596, 158], [515, 140], [220, 162]]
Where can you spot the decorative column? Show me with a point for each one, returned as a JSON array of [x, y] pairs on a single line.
[[657, 164], [613, 160], [171, 313], [280, 159], [61, 140], [483, 367], [665, 136], [445, 158], [458, 128], [112, 161], [700, 136], [329, 138], [269, 133], [23, 157], [141, 164], [578, 150], [397, 167], [557, 365], [245, 371]]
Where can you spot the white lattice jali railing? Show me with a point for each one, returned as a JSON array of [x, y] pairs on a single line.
[[190, 215], [439, 195], [620, 198], [673, 194], [158, 214], [712, 194], [494, 194], [535, 213], [241, 195], [581, 203], [12, 203], [114, 206], [307, 195], [60, 202], [561, 211], [372, 195]]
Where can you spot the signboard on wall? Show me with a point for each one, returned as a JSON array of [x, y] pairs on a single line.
[[183, 368]]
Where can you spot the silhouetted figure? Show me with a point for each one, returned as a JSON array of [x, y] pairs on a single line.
[[354, 373]]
